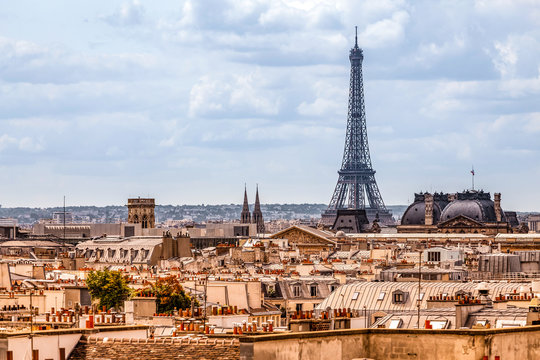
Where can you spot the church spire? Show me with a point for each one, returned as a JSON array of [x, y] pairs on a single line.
[[245, 216], [257, 213]]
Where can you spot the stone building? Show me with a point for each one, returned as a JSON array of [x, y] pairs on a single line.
[[257, 214], [137, 250], [245, 216], [257, 218], [469, 211], [142, 211], [308, 240]]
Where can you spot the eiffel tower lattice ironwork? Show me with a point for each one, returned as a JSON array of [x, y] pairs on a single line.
[[356, 184]]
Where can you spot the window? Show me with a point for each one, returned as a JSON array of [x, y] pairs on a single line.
[[421, 296], [296, 290], [434, 256], [381, 295], [298, 307], [398, 298], [395, 324], [438, 324], [333, 288], [355, 295], [313, 290]]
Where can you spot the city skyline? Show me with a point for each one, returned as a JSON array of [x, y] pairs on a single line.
[[187, 101]]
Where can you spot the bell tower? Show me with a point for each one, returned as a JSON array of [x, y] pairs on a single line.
[[141, 211]]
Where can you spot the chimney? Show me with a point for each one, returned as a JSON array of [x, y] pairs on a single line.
[[428, 201], [451, 197], [498, 211]]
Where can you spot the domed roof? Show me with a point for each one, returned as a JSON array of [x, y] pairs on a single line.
[[472, 204], [416, 212]]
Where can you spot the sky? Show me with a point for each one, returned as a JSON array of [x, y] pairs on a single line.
[[187, 101]]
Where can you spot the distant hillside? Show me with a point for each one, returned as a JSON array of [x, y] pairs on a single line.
[[197, 213]]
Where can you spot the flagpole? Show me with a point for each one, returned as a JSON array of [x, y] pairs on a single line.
[[472, 172]]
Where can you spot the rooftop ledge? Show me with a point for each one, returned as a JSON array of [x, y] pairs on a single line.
[[352, 332], [83, 331]]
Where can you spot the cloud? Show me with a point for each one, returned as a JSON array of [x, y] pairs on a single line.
[[27, 62], [129, 14], [330, 101], [384, 32], [233, 95], [25, 144], [213, 89]]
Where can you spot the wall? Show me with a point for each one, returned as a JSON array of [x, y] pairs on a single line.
[[140, 306], [48, 342], [21, 346], [508, 344], [222, 349]]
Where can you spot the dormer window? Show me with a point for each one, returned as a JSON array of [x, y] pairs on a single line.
[[313, 290], [296, 290], [399, 297]]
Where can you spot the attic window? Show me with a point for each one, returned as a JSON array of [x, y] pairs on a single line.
[[395, 324], [438, 324], [381, 296], [313, 290], [399, 297], [355, 295], [296, 290]]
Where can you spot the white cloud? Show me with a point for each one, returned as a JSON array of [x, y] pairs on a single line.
[[129, 14], [25, 144], [506, 59], [233, 95], [330, 101], [384, 32], [198, 83], [28, 62]]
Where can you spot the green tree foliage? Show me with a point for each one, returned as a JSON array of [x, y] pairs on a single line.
[[170, 294], [110, 287]]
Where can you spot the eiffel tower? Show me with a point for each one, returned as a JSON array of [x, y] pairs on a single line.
[[356, 181]]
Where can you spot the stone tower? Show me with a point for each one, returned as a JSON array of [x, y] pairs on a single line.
[[142, 211], [257, 214], [245, 216], [428, 200]]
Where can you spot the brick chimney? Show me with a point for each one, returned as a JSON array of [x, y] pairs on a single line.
[[498, 211], [428, 201]]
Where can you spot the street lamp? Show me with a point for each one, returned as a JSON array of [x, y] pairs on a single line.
[[419, 301]]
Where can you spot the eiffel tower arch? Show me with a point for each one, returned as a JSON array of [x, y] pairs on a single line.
[[356, 186]]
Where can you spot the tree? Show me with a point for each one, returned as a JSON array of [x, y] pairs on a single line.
[[170, 295], [110, 287]]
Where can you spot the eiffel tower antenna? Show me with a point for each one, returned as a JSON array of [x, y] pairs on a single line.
[[356, 187]]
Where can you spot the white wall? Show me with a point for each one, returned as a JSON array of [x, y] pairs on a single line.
[[47, 345]]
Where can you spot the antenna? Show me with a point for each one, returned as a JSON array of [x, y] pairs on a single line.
[[472, 174], [356, 36], [64, 218]]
